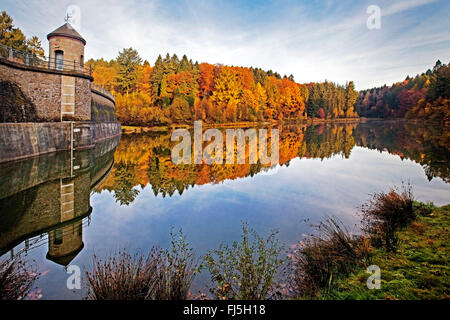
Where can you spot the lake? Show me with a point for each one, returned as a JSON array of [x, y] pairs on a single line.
[[57, 211]]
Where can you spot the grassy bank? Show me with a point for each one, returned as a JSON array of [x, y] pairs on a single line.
[[419, 269], [407, 240]]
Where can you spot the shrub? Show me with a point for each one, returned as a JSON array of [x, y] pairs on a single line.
[[246, 270], [16, 279], [385, 213], [163, 275], [125, 277], [329, 254], [179, 271]]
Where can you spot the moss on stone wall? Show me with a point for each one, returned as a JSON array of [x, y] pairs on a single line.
[[14, 105], [102, 113]]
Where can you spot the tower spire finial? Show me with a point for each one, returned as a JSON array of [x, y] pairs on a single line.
[[68, 17]]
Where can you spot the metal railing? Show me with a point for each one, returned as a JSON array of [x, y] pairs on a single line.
[[31, 60], [102, 90], [53, 63]]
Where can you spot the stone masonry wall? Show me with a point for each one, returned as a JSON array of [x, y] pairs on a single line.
[[102, 109], [44, 91], [99, 99], [73, 49], [105, 130], [22, 140], [82, 99]]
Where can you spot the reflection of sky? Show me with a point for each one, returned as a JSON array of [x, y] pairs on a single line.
[[209, 214]]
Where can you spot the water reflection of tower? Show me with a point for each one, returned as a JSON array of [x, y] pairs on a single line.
[[66, 241], [51, 199]]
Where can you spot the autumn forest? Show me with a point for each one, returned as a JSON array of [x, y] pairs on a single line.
[[175, 91], [113, 179], [179, 91]]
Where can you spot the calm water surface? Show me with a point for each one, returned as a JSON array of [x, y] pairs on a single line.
[[129, 194]]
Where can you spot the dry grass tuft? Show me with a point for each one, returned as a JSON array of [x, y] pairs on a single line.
[[16, 279], [386, 213], [162, 275], [331, 253]]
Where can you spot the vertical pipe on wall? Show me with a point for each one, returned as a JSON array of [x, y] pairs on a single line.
[[71, 148]]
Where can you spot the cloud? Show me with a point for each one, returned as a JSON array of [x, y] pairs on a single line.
[[404, 5], [313, 41]]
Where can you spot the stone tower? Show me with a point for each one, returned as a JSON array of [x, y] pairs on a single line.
[[66, 44], [66, 47]]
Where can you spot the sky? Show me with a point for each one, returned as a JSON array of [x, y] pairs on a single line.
[[313, 40]]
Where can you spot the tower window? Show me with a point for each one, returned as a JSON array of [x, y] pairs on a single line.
[[58, 237], [59, 57]]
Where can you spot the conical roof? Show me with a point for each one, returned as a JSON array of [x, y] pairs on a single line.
[[66, 30]]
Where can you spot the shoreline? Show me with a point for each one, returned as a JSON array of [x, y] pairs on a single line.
[[405, 273], [139, 129]]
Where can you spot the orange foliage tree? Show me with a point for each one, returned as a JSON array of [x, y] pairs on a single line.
[[180, 91]]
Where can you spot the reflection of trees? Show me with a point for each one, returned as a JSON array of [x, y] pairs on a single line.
[[427, 145], [324, 141], [124, 190], [144, 159], [166, 178]]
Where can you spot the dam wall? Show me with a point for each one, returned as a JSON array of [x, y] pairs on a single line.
[[22, 140], [43, 108], [55, 94]]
